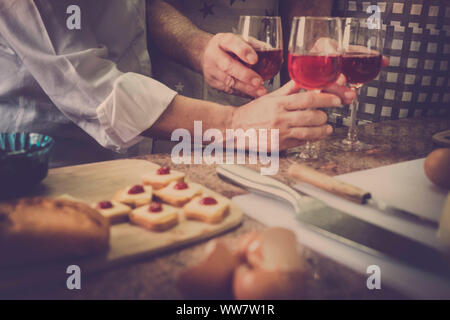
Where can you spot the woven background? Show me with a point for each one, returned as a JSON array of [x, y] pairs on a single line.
[[417, 41]]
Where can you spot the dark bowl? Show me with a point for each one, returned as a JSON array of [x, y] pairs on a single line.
[[23, 162]]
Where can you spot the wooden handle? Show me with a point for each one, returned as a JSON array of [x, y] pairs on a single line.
[[327, 183]]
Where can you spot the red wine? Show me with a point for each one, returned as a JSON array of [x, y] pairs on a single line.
[[314, 71], [269, 63], [361, 67]]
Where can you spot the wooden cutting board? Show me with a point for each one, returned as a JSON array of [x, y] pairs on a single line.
[[99, 181]]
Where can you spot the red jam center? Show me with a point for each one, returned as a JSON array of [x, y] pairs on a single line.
[[136, 190], [208, 201], [155, 207], [180, 186], [105, 205], [163, 170]]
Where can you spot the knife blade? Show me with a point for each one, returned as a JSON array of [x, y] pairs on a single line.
[[336, 225], [354, 194]]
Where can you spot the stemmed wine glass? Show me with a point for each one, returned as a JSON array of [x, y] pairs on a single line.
[[315, 57], [264, 34], [361, 63]]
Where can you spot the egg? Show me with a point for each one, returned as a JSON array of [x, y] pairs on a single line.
[[274, 268], [260, 284], [437, 167], [264, 265], [211, 278], [275, 248], [243, 244]]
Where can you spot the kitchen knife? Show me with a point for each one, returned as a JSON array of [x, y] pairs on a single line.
[[339, 226], [352, 193]]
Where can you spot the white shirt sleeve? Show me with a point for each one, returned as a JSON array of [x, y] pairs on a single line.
[[76, 73]]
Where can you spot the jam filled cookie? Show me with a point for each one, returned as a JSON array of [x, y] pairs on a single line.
[[161, 177], [207, 209], [155, 216], [114, 211], [135, 196], [179, 193]]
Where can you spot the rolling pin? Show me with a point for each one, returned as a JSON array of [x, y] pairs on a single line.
[[327, 183]]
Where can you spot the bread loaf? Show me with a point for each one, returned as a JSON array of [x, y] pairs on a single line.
[[41, 229]]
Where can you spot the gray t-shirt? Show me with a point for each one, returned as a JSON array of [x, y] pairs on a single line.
[[214, 17]]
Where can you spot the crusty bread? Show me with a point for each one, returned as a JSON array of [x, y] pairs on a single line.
[[41, 229]]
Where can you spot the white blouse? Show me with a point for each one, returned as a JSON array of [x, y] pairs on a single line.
[[96, 77]]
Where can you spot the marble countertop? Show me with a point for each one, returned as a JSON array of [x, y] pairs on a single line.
[[395, 141]]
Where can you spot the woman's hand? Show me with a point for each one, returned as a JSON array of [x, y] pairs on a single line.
[[290, 112]]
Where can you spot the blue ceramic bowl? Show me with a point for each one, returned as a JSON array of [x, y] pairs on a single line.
[[23, 162]]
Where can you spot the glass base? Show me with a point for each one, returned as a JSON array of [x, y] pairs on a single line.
[[309, 152], [353, 145], [308, 155]]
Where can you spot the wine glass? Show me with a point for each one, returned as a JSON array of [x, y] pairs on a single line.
[[315, 58], [361, 63], [264, 34]]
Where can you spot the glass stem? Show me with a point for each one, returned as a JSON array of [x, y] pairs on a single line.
[[310, 145], [352, 135]]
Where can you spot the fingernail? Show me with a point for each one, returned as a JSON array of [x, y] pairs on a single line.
[[261, 92], [349, 95], [341, 80], [329, 129], [336, 101], [256, 82], [251, 58]]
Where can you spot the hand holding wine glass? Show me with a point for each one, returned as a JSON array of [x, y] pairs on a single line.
[[264, 35], [315, 57], [294, 114], [223, 71]]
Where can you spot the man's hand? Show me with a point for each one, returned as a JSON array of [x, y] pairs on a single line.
[[225, 72], [286, 109]]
